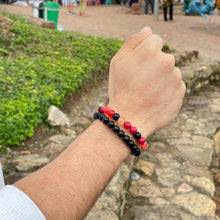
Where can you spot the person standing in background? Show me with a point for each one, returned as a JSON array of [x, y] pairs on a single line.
[[134, 7], [151, 2], [70, 7], [166, 4], [82, 8]]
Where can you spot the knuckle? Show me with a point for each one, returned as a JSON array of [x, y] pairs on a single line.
[[153, 44], [167, 61], [170, 60], [178, 74], [183, 87], [157, 39]]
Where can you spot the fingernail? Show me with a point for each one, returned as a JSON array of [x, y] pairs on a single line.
[[145, 30]]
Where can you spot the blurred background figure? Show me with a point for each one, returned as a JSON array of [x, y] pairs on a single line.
[[166, 4], [82, 8], [134, 7], [151, 2], [70, 7]]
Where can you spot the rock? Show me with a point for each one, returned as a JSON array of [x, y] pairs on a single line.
[[116, 185], [170, 131], [168, 176], [184, 188], [14, 177], [158, 212], [146, 167], [70, 132], [158, 201], [165, 160], [201, 141], [61, 139], [140, 213], [54, 149], [102, 215], [134, 176], [30, 162], [168, 192], [217, 178], [158, 147], [57, 118], [203, 183], [215, 162], [5, 27], [24, 152], [145, 187], [196, 203], [5, 20], [199, 156], [83, 122], [216, 137], [108, 202], [40, 22], [194, 125], [197, 171], [88, 114]]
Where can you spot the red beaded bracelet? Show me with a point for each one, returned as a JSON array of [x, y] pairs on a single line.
[[126, 124], [130, 143]]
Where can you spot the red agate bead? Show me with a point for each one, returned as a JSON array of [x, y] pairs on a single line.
[[143, 146], [106, 110], [127, 125], [141, 140], [133, 130], [102, 109], [111, 113]]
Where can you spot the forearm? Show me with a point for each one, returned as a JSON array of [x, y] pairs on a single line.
[[67, 188], [147, 89]]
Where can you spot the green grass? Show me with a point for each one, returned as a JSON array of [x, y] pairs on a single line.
[[40, 67]]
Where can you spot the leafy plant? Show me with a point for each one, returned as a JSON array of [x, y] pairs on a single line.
[[41, 67]]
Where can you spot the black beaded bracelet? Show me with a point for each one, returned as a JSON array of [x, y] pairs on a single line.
[[130, 143], [106, 111]]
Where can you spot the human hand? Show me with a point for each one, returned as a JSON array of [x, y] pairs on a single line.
[[144, 85]]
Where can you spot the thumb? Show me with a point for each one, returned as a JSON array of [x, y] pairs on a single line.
[[133, 41]]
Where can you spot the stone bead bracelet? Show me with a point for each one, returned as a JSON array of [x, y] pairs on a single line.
[[130, 143], [126, 124]]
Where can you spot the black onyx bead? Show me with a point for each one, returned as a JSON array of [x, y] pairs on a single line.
[[126, 138], [105, 120], [137, 135], [110, 124], [100, 109], [116, 116], [121, 134], [101, 116], [116, 129], [96, 115], [130, 143], [135, 151]]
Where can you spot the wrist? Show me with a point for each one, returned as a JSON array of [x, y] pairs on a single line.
[[109, 143]]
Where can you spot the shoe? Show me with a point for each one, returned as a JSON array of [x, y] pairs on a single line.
[[146, 14], [71, 13], [83, 15]]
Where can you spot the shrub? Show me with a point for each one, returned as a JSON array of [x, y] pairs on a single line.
[[40, 67]]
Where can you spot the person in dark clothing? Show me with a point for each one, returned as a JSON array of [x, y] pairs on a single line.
[[151, 2], [166, 4]]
